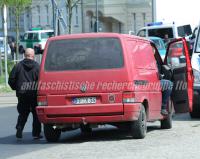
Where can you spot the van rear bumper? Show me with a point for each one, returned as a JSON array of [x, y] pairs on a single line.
[[67, 114]]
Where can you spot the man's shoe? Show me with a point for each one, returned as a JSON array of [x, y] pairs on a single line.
[[37, 137], [164, 112], [19, 134]]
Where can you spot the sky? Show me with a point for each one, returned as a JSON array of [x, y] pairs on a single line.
[[179, 11]]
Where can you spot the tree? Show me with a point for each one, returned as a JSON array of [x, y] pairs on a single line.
[[18, 7], [70, 4]]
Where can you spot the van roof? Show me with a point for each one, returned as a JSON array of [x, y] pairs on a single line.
[[93, 35], [167, 25], [39, 31]]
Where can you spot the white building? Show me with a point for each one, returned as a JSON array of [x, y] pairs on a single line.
[[114, 16], [40, 14], [118, 15]]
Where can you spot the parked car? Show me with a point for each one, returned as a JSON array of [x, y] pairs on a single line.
[[166, 31], [160, 45], [35, 38], [2, 49], [88, 80]]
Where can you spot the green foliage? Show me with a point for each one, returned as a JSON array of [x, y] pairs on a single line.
[[16, 3], [10, 65], [4, 89], [2, 80], [2, 2]]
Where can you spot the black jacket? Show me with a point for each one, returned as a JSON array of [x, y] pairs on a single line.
[[24, 76]]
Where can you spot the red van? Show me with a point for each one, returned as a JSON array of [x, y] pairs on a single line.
[[91, 79]]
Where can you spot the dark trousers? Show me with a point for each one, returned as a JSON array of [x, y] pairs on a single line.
[[166, 92], [27, 104]]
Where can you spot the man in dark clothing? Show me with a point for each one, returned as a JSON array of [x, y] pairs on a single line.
[[22, 78], [166, 85]]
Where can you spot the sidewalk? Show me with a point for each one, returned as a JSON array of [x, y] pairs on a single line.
[[8, 99]]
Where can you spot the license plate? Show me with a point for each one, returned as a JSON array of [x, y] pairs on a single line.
[[84, 100]]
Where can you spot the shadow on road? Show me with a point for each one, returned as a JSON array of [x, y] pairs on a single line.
[[184, 117], [27, 139], [101, 135]]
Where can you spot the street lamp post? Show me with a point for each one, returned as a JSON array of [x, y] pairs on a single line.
[[5, 42]]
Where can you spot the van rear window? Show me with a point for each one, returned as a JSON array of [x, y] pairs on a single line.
[[84, 54]]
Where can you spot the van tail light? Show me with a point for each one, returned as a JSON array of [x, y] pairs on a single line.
[[128, 97], [42, 101]]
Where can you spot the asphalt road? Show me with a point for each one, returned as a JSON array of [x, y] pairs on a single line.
[[180, 142]]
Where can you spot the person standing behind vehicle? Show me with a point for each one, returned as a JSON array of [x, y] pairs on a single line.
[[25, 72], [13, 49]]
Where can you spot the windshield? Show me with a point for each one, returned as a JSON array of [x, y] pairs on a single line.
[[31, 36], [161, 32], [47, 35], [84, 54]]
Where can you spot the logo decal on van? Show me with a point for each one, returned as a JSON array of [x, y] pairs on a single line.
[[83, 88], [111, 98]]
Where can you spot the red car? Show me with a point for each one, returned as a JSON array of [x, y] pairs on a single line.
[[91, 79]]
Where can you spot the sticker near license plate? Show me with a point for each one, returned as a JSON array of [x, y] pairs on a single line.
[[84, 100]]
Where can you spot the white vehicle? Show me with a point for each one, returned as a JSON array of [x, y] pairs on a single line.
[[2, 48], [36, 38], [196, 71], [165, 31]]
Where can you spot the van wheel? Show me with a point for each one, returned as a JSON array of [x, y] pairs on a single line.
[[139, 127], [167, 122], [194, 114], [51, 134], [86, 129]]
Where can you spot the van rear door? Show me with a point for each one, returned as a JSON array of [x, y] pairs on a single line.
[[178, 59], [86, 71]]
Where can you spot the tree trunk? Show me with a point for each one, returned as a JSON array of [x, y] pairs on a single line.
[[69, 12], [70, 20]]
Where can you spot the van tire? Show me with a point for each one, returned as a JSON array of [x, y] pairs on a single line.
[[51, 134], [167, 122], [194, 115], [86, 129], [139, 127]]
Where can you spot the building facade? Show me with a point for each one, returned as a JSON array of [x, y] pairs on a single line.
[[40, 15], [119, 16]]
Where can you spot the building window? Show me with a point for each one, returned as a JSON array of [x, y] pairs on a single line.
[[144, 18], [76, 16], [47, 13], [134, 23], [38, 13]]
